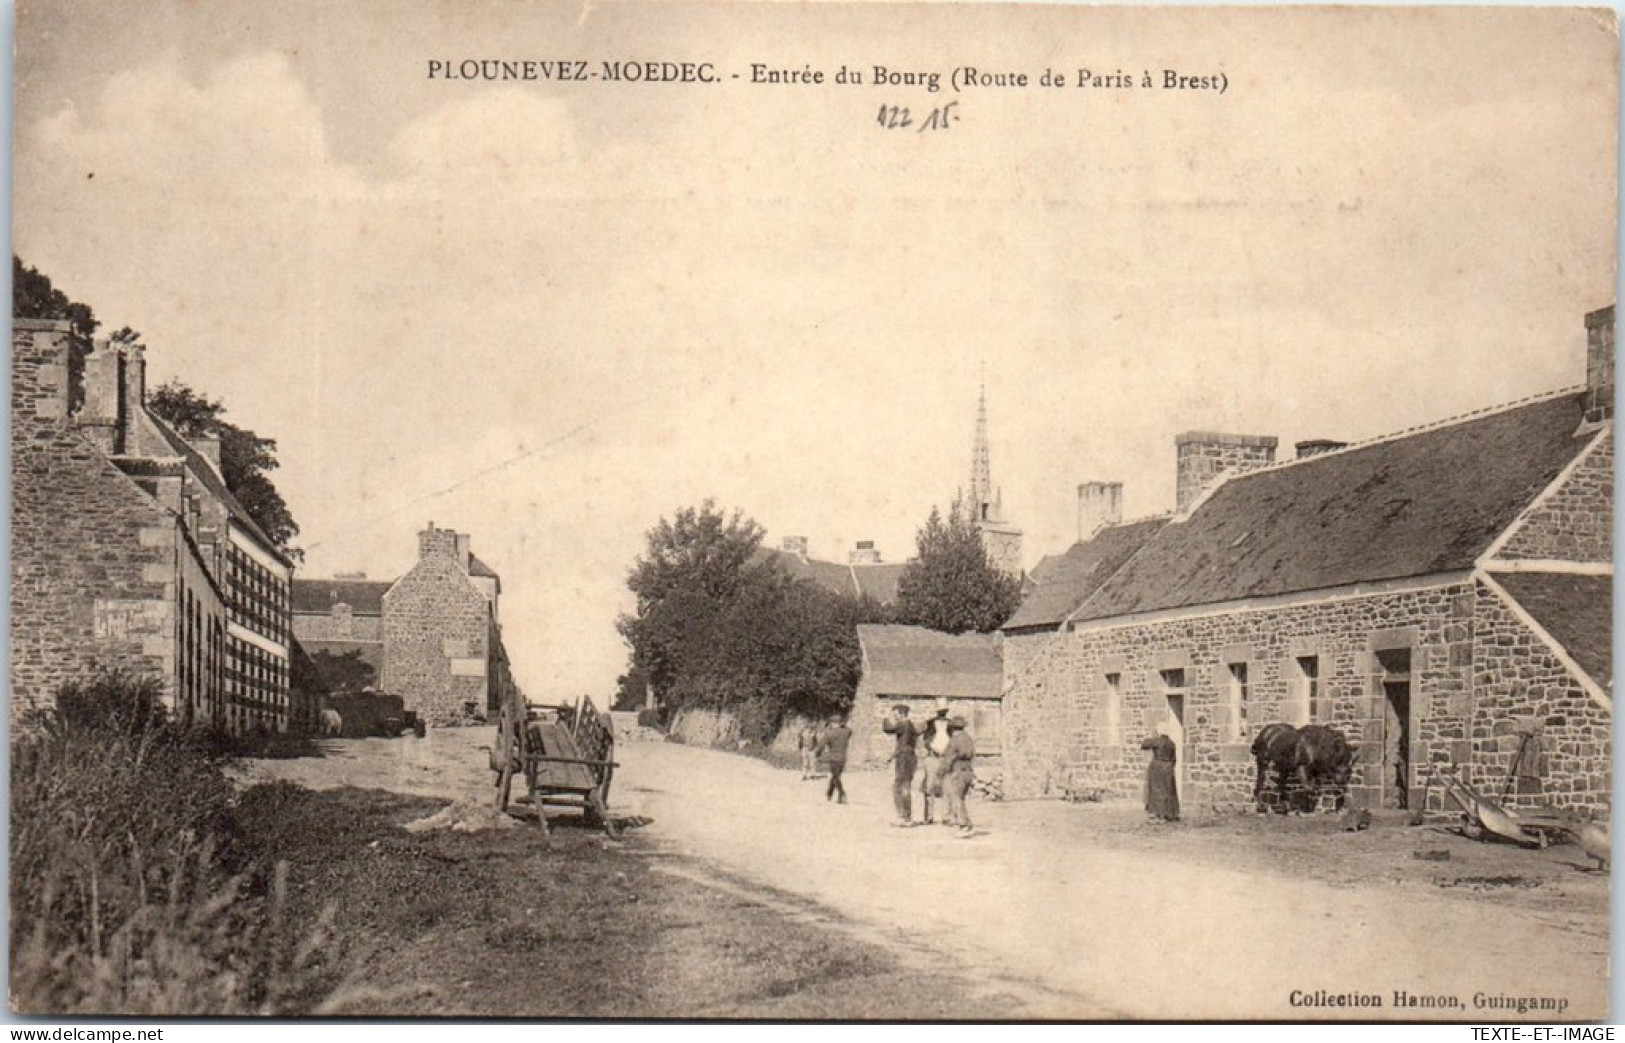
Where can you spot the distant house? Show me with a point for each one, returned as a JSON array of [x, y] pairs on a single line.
[[129, 551], [340, 616], [1442, 595], [917, 667], [863, 574], [433, 635]]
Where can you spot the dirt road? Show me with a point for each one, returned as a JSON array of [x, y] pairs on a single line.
[[1049, 902]]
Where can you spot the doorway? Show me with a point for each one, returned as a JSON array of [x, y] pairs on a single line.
[[1176, 732], [1395, 678]]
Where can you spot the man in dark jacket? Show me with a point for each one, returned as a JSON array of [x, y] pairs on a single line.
[[833, 746], [904, 761]]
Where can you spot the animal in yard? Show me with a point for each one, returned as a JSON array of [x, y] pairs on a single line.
[[1594, 838], [332, 723], [1322, 759], [1304, 761], [1272, 750]]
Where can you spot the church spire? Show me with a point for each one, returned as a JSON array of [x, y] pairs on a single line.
[[982, 504]]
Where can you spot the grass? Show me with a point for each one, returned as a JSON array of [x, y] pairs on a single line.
[[128, 893], [507, 923]]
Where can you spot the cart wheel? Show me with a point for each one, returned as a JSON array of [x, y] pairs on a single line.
[[597, 814]]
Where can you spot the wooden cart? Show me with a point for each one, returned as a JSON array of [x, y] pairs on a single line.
[[565, 754]]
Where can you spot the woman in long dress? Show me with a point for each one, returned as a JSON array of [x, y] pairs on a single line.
[[1161, 791]]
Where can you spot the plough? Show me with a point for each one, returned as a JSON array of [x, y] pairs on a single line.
[[1530, 828]]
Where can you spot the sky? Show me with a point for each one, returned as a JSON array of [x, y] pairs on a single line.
[[549, 314]]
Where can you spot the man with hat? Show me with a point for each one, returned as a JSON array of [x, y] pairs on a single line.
[[958, 771], [934, 738], [903, 762]]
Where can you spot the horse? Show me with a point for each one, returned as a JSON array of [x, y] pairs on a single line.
[[1305, 761], [332, 723], [1323, 758], [1273, 747]]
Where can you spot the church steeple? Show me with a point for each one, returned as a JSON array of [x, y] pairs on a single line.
[[981, 505], [984, 503]]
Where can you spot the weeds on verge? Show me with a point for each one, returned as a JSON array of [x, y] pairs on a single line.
[[124, 898]]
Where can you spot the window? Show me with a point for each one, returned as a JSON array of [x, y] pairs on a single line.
[[1112, 732], [984, 728], [1174, 678], [1237, 698], [1309, 694]]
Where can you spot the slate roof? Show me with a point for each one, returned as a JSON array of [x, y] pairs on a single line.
[[914, 661], [364, 596], [476, 567], [1421, 502], [877, 581], [211, 478], [1576, 610], [1062, 582]]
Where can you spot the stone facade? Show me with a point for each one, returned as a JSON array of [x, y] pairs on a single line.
[[438, 632], [1520, 686], [1080, 702], [122, 549], [73, 610], [1576, 521]]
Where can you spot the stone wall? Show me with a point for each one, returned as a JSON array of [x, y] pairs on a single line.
[[1061, 731], [1519, 685], [1576, 522], [341, 624], [93, 559], [436, 628]]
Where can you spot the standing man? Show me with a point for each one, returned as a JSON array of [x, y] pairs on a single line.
[[833, 746], [903, 762], [935, 740], [806, 745], [958, 772]]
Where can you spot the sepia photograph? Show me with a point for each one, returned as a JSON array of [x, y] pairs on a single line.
[[857, 512]]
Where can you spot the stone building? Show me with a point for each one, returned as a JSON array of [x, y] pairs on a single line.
[[1442, 595], [341, 615], [442, 648], [916, 667], [129, 551]]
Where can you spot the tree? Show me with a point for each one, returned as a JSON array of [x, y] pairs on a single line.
[[720, 625], [33, 297], [245, 458], [343, 671], [694, 565], [951, 585]]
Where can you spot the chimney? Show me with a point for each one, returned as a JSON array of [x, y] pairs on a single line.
[[1600, 365], [1100, 504], [135, 389], [208, 447], [1316, 446], [101, 415], [796, 545], [39, 373], [463, 550], [864, 554], [437, 543], [1203, 456]]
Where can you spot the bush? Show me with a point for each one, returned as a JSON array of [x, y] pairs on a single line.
[[648, 718], [759, 720], [124, 898]]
